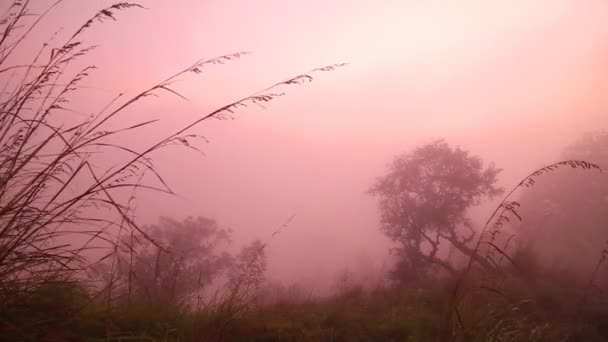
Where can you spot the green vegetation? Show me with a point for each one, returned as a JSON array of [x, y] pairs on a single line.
[[550, 310]]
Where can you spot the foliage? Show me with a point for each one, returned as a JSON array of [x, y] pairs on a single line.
[[547, 312], [250, 266], [423, 200], [192, 256], [487, 246]]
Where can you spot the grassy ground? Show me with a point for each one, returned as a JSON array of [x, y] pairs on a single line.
[[547, 310]]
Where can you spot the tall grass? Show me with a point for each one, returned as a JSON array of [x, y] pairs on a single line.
[[54, 186], [468, 285]]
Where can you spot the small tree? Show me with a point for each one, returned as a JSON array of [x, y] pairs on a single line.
[[424, 199], [191, 258], [250, 265]]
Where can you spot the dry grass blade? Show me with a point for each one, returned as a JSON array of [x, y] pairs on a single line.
[[498, 218], [105, 14], [54, 181]]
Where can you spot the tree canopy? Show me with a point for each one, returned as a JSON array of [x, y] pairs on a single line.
[[176, 259], [423, 201]]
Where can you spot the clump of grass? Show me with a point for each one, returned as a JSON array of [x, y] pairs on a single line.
[[507, 319], [53, 185]]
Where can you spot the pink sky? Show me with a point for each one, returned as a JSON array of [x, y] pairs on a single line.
[[513, 81]]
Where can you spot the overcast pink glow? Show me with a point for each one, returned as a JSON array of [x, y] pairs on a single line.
[[513, 81]]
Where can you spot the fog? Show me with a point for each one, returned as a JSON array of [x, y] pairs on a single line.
[[514, 82]]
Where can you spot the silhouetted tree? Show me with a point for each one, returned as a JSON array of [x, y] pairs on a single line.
[[423, 201], [191, 257], [249, 266]]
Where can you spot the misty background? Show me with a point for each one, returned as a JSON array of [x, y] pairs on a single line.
[[472, 72]]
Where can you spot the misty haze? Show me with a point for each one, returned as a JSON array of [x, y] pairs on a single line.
[[268, 170]]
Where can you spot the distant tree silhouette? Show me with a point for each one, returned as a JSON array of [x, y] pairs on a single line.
[[249, 265], [193, 256], [423, 201]]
